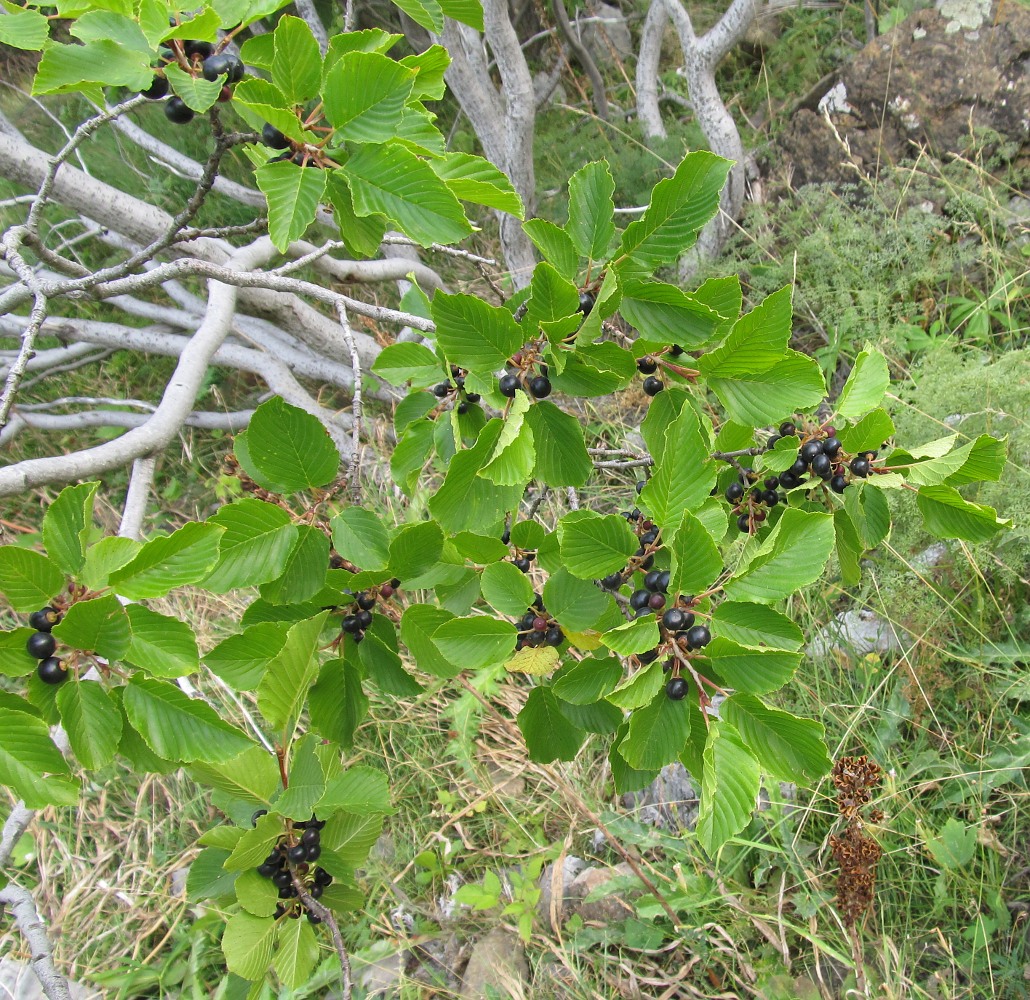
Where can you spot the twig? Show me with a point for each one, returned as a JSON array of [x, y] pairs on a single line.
[[327, 917], [14, 826], [140, 481], [354, 470], [27, 920]]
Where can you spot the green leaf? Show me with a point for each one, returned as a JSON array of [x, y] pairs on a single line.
[[656, 734], [350, 838], [291, 447], [364, 96], [849, 547], [307, 782], [512, 459], [24, 29], [162, 564], [297, 61], [592, 545], [591, 224], [396, 183], [471, 178], [65, 68], [636, 636], [28, 579], [255, 545], [666, 314], [241, 659], [361, 538], [984, 462], [293, 194], [684, 472], [337, 703], [507, 589], [466, 500], [755, 671], [587, 681], [680, 206], [415, 550], [261, 100], [696, 560], [475, 642], [865, 386], [161, 645], [552, 300], [256, 894], [177, 727], [730, 780], [30, 765], [14, 657], [955, 846], [297, 953], [469, 12], [197, 93], [361, 234], [757, 341], [868, 433], [67, 523], [576, 604], [360, 790], [639, 689], [791, 557], [305, 571], [284, 687], [106, 556], [100, 625], [561, 452], [382, 666], [207, 879], [870, 514], [548, 734], [793, 384], [92, 721], [247, 944], [427, 13], [789, 748], [251, 777], [626, 778], [473, 333], [414, 363], [418, 623], [947, 515], [254, 845], [756, 626], [556, 246]]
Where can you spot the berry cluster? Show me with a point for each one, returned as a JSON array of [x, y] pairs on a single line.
[[198, 59], [752, 502], [821, 454], [538, 386], [647, 365], [464, 400], [538, 628], [359, 614], [291, 860], [41, 645]]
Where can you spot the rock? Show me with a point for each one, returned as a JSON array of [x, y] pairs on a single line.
[[19, 982], [571, 867], [609, 31], [856, 632], [670, 802], [609, 907], [382, 976], [498, 961], [930, 80]]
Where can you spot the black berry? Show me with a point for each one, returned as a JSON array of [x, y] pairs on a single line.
[[310, 836], [698, 636], [508, 386], [44, 619], [177, 111], [638, 599], [838, 484], [273, 138], [586, 302], [157, 90], [770, 497], [612, 582], [664, 579], [787, 428], [831, 446], [651, 580], [52, 670], [674, 619], [283, 879], [554, 636], [522, 564], [266, 870], [322, 877], [214, 66], [656, 602], [441, 390], [193, 47], [653, 385], [809, 450], [860, 467], [649, 657], [788, 480], [821, 465], [734, 492], [743, 523], [365, 601], [364, 619], [295, 855], [349, 623], [462, 408], [41, 645], [647, 365], [314, 851], [676, 688], [540, 387]]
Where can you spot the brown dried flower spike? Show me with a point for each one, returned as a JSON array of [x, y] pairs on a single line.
[[857, 855]]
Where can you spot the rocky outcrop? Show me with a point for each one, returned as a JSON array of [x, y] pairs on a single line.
[[932, 81]]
